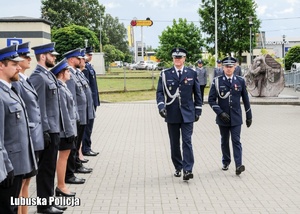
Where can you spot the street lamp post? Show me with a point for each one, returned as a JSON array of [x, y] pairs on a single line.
[[283, 41], [250, 24], [86, 42], [100, 29]]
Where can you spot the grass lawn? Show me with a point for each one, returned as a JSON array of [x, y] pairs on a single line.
[[112, 85]]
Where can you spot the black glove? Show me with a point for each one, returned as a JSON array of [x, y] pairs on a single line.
[[9, 180], [225, 117], [47, 139], [163, 113], [71, 139], [197, 117], [248, 122]]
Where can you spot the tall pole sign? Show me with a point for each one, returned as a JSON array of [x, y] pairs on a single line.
[[148, 22]]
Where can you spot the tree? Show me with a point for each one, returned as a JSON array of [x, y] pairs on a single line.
[[71, 37], [63, 13], [180, 34], [112, 54], [116, 33], [233, 25], [293, 55]]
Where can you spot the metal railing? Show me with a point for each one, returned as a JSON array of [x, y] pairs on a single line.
[[292, 79]]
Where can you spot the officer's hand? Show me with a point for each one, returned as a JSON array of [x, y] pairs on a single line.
[[47, 139], [71, 139], [197, 117], [248, 122], [225, 117], [163, 113], [9, 180]]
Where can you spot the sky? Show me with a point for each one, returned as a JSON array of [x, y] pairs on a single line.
[[278, 17]]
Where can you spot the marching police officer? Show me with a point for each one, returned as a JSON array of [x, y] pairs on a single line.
[[46, 86], [224, 98], [90, 74], [218, 71], [19, 158], [179, 102], [202, 78]]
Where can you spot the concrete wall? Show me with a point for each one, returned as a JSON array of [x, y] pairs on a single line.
[[33, 30]]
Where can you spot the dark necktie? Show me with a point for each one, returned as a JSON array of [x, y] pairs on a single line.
[[179, 74], [14, 90], [229, 80], [28, 81]]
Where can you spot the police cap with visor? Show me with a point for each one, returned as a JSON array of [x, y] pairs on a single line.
[[46, 48], [229, 61], [10, 53], [178, 52]]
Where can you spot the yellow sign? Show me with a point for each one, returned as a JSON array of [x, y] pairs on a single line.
[[141, 23]]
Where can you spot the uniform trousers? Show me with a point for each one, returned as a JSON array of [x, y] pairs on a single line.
[[7, 193], [86, 140], [235, 132], [46, 170], [73, 160], [187, 162], [202, 87]]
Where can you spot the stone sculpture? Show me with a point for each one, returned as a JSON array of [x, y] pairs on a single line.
[[265, 77]]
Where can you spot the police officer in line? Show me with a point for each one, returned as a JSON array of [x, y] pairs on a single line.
[[76, 87], [68, 134], [179, 102], [45, 83], [237, 70], [218, 71], [88, 92], [224, 98], [90, 74], [16, 144], [30, 98], [202, 78]]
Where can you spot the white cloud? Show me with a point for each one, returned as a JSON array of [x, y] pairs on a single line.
[[261, 10], [112, 5], [287, 11]]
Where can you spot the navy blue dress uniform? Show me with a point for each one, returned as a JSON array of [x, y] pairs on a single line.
[[224, 98], [202, 77], [46, 86], [90, 74], [30, 98], [76, 87], [179, 102], [218, 71], [19, 158]]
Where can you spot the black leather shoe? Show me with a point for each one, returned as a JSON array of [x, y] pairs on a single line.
[[50, 210], [90, 153], [58, 192], [187, 175], [95, 152], [75, 180], [63, 208], [83, 170], [84, 161], [240, 169], [225, 167], [177, 173]]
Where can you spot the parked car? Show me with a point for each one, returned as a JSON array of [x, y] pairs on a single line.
[[132, 66], [152, 65], [142, 65]]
